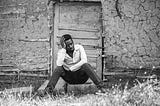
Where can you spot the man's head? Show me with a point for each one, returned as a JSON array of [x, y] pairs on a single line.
[[67, 40]]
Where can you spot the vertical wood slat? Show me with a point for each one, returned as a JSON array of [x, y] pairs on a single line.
[[99, 59], [52, 42], [50, 25], [54, 37], [102, 40]]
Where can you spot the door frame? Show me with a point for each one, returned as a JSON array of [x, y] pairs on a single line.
[[55, 32]]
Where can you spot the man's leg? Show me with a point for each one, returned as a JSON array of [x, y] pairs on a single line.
[[57, 73], [87, 68], [51, 83]]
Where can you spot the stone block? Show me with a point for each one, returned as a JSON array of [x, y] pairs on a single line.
[[154, 21], [153, 37], [81, 88], [7, 3], [157, 4], [146, 5], [4, 23], [141, 51]]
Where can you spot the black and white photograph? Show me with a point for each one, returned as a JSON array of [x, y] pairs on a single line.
[[79, 52]]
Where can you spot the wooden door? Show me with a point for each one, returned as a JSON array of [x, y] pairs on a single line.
[[82, 21]]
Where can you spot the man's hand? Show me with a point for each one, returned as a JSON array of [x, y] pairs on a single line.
[[62, 43], [72, 68]]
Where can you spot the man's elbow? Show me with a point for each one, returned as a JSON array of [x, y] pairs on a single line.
[[59, 63]]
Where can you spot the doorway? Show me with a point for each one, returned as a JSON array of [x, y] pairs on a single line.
[[83, 21]]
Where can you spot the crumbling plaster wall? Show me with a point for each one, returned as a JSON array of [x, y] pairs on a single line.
[[21, 21], [132, 38]]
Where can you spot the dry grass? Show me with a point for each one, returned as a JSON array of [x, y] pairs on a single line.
[[143, 94]]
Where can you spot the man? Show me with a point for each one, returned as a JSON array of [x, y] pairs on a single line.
[[72, 66]]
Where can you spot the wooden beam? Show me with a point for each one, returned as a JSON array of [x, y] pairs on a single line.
[[20, 89], [54, 48], [33, 75], [147, 77], [37, 70], [85, 45], [118, 73], [19, 70], [9, 74], [7, 65], [34, 40], [64, 27], [93, 38], [81, 0], [8, 81], [10, 70], [22, 74]]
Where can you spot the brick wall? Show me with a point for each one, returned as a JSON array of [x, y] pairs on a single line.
[[20, 22], [132, 39]]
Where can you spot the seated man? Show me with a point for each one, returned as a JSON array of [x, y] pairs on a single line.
[[72, 66]]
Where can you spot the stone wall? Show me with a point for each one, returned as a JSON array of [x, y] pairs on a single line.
[[132, 35], [21, 22]]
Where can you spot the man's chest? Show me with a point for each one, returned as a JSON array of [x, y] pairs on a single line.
[[76, 57]]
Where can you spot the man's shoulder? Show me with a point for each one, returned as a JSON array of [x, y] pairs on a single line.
[[62, 50], [77, 46]]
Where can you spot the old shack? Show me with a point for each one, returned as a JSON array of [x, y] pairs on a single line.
[[116, 34]]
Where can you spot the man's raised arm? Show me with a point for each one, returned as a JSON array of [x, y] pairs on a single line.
[[60, 57]]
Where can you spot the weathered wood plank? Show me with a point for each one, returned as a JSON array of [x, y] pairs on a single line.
[[147, 77], [75, 28], [7, 74], [21, 74], [34, 40], [93, 52], [8, 81], [7, 65], [33, 75], [118, 73], [20, 89], [86, 46], [84, 38], [117, 69], [85, 42], [54, 46], [82, 0], [10, 70], [23, 71], [79, 34], [35, 70]]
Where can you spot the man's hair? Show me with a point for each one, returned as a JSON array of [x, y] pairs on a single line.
[[66, 37]]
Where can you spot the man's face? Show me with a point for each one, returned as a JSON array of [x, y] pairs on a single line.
[[69, 45]]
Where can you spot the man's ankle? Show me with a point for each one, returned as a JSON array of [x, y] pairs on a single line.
[[49, 89], [100, 85]]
